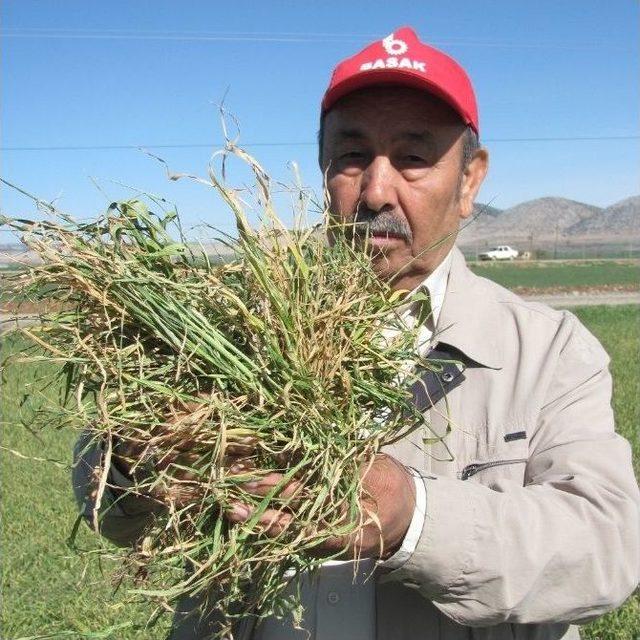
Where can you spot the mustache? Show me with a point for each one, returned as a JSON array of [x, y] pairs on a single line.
[[367, 223]]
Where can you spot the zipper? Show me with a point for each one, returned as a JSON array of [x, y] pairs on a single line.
[[475, 467]]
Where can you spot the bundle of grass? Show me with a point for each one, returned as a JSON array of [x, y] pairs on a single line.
[[294, 346]]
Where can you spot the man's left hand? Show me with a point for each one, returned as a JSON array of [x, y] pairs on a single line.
[[387, 506]]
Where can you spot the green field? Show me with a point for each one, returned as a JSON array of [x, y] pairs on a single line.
[[565, 275], [47, 587], [618, 328], [50, 589]]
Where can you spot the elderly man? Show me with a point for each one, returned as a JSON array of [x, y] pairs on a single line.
[[524, 518]]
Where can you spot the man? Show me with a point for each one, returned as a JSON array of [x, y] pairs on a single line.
[[524, 517]]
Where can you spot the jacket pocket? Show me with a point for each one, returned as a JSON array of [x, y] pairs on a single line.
[[506, 460], [478, 467]]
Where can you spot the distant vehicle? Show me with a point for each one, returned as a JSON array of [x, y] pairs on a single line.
[[503, 252]]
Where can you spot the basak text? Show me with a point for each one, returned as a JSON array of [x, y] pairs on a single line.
[[394, 63]]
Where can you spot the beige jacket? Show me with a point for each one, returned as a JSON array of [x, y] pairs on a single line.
[[532, 509]]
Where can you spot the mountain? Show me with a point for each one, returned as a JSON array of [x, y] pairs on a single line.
[[485, 210], [548, 218], [534, 222], [622, 217]]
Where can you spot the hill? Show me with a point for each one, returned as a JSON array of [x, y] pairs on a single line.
[[622, 217], [545, 219]]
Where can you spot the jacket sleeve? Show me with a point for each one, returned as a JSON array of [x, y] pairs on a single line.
[[565, 547], [123, 515]]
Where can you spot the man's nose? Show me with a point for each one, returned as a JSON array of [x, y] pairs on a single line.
[[378, 187]]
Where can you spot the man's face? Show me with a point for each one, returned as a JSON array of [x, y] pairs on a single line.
[[393, 160]]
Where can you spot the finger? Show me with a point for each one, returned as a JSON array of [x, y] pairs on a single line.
[[180, 441], [176, 458], [239, 466], [265, 484], [272, 522], [185, 442], [382, 474], [184, 467], [173, 443], [240, 449], [239, 512], [177, 495]]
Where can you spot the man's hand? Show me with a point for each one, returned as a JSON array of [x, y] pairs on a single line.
[[386, 507], [171, 451]]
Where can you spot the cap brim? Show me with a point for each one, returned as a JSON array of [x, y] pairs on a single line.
[[391, 77]]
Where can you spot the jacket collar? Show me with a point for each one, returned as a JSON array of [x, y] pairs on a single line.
[[471, 317]]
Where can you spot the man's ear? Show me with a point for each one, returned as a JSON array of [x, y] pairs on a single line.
[[472, 177]]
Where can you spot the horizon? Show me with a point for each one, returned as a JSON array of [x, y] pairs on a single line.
[[213, 240]]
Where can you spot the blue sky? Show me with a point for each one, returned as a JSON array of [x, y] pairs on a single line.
[[150, 72]]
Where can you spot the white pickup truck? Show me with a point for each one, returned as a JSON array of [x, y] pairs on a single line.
[[503, 252]]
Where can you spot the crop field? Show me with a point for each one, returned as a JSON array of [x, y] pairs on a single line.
[[618, 328], [49, 589], [562, 275], [53, 591]]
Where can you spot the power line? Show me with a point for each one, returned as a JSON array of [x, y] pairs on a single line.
[[109, 147], [564, 139], [187, 32], [216, 145], [204, 38], [275, 37]]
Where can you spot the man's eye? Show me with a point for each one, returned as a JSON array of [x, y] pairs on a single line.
[[352, 155], [414, 159]]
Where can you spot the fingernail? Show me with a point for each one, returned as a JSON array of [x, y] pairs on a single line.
[[250, 486], [239, 512]]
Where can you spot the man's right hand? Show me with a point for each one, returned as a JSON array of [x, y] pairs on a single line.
[[162, 463]]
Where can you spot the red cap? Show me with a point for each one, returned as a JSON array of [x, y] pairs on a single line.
[[401, 58]]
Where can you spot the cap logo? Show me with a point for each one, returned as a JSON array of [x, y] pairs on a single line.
[[393, 46]]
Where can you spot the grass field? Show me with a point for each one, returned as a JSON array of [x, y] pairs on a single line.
[[564, 275], [52, 591], [47, 587], [618, 328]]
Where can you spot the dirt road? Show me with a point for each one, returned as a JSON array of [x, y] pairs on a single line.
[[587, 299]]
